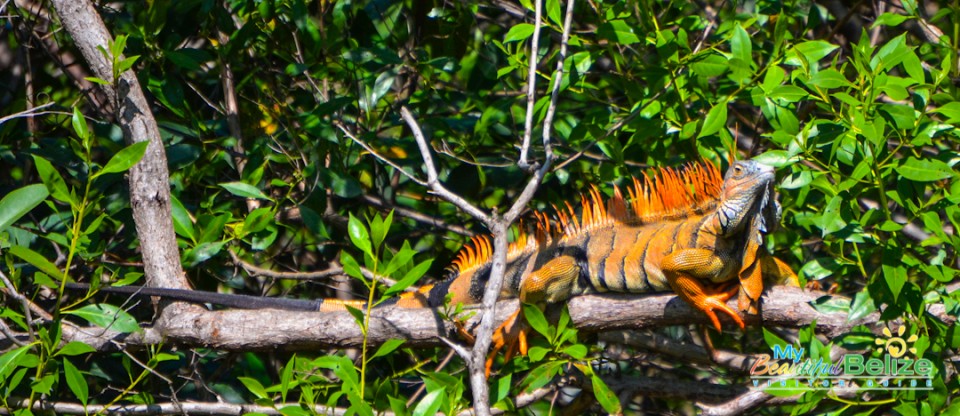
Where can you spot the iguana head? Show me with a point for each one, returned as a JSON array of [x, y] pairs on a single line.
[[748, 199]]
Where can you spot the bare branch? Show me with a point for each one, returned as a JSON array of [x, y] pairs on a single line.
[[29, 113], [416, 215], [531, 86], [383, 159], [12, 292], [432, 178], [255, 270], [168, 408]]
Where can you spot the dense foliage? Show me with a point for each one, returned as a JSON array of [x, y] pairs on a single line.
[[257, 100]]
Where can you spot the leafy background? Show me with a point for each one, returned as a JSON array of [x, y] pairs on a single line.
[[856, 105]]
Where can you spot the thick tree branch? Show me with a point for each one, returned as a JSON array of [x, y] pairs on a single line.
[[168, 408], [149, 179], [244, 330]]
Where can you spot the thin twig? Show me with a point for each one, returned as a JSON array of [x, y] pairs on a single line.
[[334, 271], [531, 86], [432, 178], [168, 408], [416, 215], [13, 293], [33, 112], [383, 159], [140, 363]]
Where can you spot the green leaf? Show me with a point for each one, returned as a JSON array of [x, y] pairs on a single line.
[[19, 202], [790, 93], [891, 54], [96, 80], [357, 314], [36, 260], [895, 275], [519, 33], [75, 381], [74, 348], [542, 375], [789, 390], [716, 119], [387, 348], [350, 266], [862, 305], [125, 159], [811, 51], [107, 316], [710, 64], [797, 180], [79, 124], [127, 63], [52, 179], [576, 351], [903, 116], [740, 45], [430, 403], [244, 190], [11, 359], [606, 397], [182, 223], [890, 19], [286, 376], [829, 78], [773, 339], [830, 305], [409, 278], [379, 229], [534, 317], [254, 387], [618, 31], [924, 170], [44, 384], [951, 110], [359, 235]]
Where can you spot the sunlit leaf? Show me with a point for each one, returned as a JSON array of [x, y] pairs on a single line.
[[19, 202]]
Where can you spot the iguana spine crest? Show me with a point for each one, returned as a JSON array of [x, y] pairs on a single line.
[[667, 194]]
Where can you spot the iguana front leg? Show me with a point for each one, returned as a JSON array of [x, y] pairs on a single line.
[[687, 269], [550, 283]]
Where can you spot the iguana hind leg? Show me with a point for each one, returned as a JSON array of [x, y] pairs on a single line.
[[550, 283], [686, 271]]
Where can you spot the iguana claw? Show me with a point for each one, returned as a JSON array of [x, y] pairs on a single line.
[[512, 334]]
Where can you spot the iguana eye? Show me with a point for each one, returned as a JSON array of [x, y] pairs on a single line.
[[737, 170]]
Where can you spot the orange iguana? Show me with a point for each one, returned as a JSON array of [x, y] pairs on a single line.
[[688, 231]]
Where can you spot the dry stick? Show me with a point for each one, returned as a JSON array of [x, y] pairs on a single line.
[[531, 86], [416, 215], [216, 409], [176, 408], [242, 330], [379, 157], [334, 271], [13, 293]]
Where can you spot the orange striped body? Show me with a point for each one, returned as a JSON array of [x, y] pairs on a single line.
[[688, 231]]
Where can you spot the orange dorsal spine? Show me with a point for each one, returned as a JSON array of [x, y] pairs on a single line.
[[668, 194]]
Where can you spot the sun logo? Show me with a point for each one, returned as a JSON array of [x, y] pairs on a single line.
[[895, 345]]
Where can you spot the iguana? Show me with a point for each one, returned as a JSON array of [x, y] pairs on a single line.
[[688, 231]]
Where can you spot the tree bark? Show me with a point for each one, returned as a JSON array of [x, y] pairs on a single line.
[[149, 179]]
